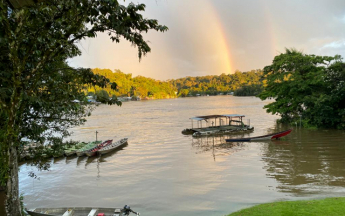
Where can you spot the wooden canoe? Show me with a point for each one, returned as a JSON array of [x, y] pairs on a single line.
[[75, 211], [93, 151], [90, 145], [113, 146], [259, 138]]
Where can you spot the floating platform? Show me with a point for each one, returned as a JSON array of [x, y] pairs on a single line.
[[226, 124]]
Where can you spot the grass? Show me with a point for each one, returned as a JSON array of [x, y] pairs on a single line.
[[323, 207]]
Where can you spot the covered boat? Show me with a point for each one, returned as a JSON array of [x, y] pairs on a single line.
[[113, 146], [259, 138], [93, 151], [217, 124]]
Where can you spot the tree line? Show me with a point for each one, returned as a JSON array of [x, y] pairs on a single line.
[[128, 86], [220, 84], [240, 83]]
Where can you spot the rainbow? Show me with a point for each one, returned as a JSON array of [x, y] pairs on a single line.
[[270, 29], [222, 39]]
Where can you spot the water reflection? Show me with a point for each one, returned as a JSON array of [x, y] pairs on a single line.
[[80, 159], [89, 160], [216, 145], [280, 142], [98, 169], [110, 154], [308, 163], [58, 159], [71, 158]]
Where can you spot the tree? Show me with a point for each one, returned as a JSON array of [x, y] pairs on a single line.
[[36, 84], [249, 90], [306, 86], [102, 96], [329, 106], [183, 93]]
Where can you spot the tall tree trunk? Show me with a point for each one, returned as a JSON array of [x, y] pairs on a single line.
[[13, 207]]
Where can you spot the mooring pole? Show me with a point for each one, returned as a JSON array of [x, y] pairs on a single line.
[[96, 135]]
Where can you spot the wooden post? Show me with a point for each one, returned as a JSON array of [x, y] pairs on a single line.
[[96, 135]]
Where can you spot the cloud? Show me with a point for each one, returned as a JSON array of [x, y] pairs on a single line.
[[335, 44], [208, 37]]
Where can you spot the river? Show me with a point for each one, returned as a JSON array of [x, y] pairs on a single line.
[[163, 172]]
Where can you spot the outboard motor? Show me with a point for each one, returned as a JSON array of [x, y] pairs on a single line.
[[127, 210]]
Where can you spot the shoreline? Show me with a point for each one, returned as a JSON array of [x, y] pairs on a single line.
[[314, 207]]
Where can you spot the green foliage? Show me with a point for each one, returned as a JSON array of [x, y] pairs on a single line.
[[102, 96], [329, 206], [183, 93], [213, 85], [139, 86], [306, 85], [21, 198], [249, 90], [246, 84]]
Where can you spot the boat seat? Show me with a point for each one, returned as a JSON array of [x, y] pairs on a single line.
[[93, 212], [69, 212]]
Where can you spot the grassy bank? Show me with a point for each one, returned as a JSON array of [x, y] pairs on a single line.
[[329, 207]]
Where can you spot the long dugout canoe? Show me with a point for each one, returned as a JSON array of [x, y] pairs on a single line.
[[259, 138], [75, 211]]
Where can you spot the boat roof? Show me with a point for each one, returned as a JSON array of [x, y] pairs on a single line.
[[199, 118]]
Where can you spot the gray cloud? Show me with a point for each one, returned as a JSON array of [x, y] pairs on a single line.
[[201, 31]]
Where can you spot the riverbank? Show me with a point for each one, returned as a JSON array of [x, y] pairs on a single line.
[[328, 206]]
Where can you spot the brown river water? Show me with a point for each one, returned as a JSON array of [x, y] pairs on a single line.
[[163, 172]]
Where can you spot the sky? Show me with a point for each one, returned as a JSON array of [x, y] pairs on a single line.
[[211, 37]]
